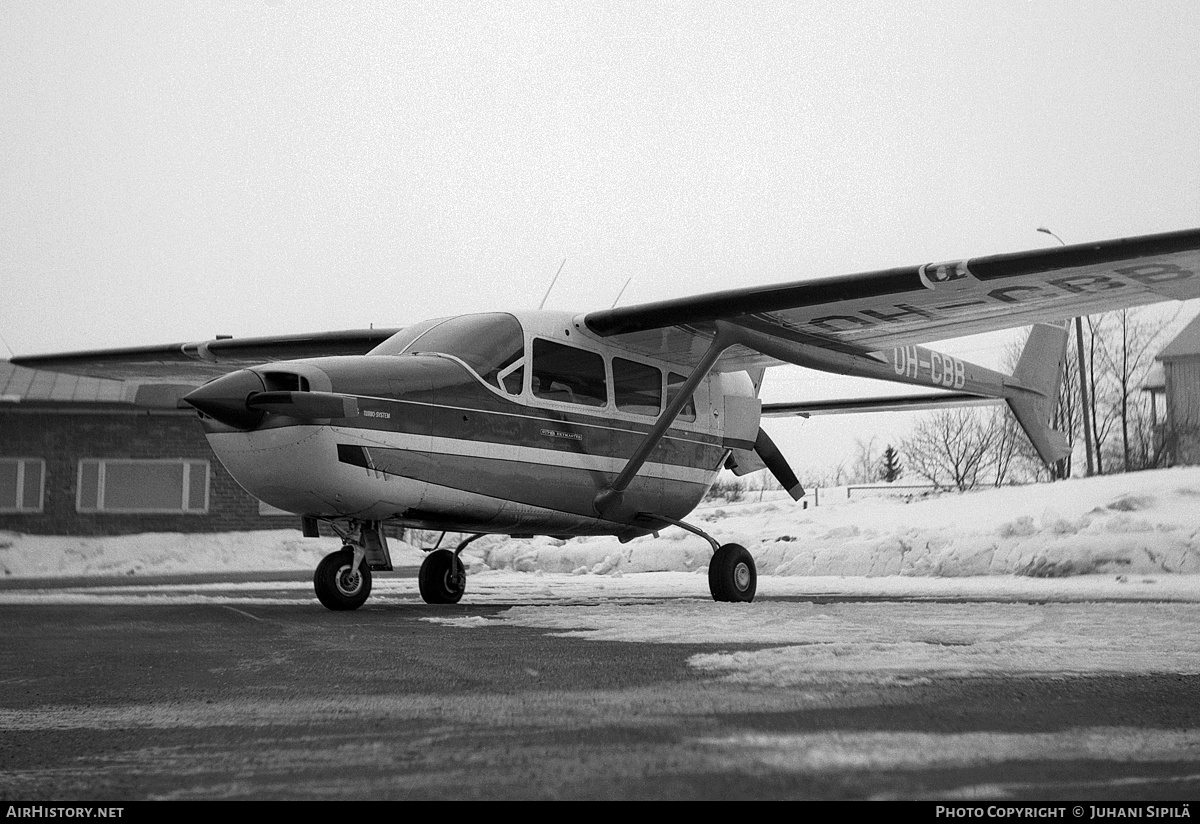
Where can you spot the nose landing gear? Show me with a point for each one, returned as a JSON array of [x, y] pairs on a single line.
[[343, 579], [342, 584]]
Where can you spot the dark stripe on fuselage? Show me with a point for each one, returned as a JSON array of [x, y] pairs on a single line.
[[560, 488]]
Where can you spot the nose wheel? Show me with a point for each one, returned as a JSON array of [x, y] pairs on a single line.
[[339, 584], [731, 574]]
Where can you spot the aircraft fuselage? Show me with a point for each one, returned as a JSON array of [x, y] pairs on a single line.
[[422, 438]]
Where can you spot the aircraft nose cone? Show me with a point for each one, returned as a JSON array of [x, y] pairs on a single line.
[[224, 399]]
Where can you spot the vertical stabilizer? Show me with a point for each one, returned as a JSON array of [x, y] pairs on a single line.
[[1034, 396]]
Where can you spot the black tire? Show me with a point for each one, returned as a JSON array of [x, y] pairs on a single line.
[[442, 578], [732, 575], [338, 586]]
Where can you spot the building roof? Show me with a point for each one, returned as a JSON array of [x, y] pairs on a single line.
[[1185, 344], [21, 385]]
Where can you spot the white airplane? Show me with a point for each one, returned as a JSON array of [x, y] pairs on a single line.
[[612, 422]]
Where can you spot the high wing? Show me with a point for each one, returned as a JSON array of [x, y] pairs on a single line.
[[852, 316], [842, 320], [195, 363]]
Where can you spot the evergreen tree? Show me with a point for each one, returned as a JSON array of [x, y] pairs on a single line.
[[889, 465]]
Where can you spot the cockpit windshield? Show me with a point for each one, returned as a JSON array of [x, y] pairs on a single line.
[[400, 341], [488, 343]]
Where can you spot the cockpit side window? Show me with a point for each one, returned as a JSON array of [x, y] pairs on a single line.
[[490, 344], [674, 384], [569, 375], [638, 387]]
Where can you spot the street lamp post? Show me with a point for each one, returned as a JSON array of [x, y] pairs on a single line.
[[1083, 394]]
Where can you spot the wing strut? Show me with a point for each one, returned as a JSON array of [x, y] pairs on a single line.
[[608, 501]]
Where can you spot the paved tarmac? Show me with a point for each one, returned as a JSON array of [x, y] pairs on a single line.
[[259, 700]]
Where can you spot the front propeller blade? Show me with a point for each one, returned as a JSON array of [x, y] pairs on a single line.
[[305, 405], [773, 458]]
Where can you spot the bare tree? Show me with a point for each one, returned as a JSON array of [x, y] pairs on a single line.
[[1101, 422], [1124, 344], [865, 468], [953, 448]]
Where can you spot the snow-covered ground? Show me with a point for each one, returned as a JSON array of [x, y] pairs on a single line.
[[1082, 577]]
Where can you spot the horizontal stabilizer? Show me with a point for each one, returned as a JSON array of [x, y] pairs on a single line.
[[893, 403]]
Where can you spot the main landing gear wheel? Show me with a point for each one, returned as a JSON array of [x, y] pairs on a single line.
[[731, 574], [443, 578], [339, 586]]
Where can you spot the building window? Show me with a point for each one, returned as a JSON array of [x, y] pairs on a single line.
[[165, 486], [22, 481]]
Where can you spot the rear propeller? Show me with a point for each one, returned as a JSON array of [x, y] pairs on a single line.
[[770, 455]]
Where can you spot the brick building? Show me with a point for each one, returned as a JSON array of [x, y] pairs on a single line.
[[84, 456]]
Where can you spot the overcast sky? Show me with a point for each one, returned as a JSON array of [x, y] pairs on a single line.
[[171, 171]]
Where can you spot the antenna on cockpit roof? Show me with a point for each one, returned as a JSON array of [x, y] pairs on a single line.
[[556, 274], [623, 288]]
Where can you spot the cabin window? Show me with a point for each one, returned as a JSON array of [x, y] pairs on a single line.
[[22, 483], [512, 377], [570, 375], [638, 387], [675, 382], [128, 486]]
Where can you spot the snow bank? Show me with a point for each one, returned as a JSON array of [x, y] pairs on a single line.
[[1143, 523], [1137, 524]]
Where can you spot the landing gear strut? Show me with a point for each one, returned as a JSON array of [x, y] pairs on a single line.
[[342, 584], [732, 575]]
